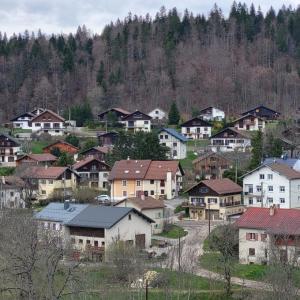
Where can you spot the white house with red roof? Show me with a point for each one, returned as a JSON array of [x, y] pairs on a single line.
[[264, 232]]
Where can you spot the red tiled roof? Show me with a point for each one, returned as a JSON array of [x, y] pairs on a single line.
[[121, 110], [43, 172], [40, 157], [285, 170], [158, 169], [61, 142], [85, 161], [284, 221], [147, 203]]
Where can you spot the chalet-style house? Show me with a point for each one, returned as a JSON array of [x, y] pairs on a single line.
[[263, 112], [137, 121], [51, 182], [271, 184], [293, 163], [150, 207], [196, 129], [44, 159], [118, 113], [98, 152], [107, 138], [9, 149], [230, 139], [212, 114], [62, 146], [175, 141], [217, 199], [93, 173], [49, 122], [268, 233], [157, 114], [133, 178], [23, 120], [11, 195], [249, 123], [211, 165]]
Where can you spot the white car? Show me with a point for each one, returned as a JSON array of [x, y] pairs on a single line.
[[102, 198]]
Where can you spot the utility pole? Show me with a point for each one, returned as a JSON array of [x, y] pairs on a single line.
[[179, 252], [208, 216], [146, 289]]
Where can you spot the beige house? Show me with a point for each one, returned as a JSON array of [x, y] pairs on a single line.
[[150, 207], [217, 199]]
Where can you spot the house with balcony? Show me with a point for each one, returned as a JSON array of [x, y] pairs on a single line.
[[215, 199], [99, 152], [133, 178], [9, 149], [43, 159], [249, 123], [157, 114], [271, 184], [268, 233], [175, 141], [23, 120], [115, 112], [137, 121], [48, 122], [263, 112], [230, 139], [93, 173], [212, 114], [196, 129]]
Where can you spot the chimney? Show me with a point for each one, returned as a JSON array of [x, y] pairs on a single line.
[[66, 204], [272, 210]]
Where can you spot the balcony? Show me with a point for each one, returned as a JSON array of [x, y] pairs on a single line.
[[94, 249], [193, 205], [228, 204]]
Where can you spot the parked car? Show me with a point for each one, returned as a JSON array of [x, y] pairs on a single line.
[[102, 198]]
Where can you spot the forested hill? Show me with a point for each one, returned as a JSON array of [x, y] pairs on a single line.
[[139, 63]]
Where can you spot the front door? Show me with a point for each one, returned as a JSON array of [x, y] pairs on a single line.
[[140, 241]]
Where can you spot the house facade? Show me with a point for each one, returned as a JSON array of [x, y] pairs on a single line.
[[268, 233], [196, 129], [48, 122], [133, 178], [263, 112], [272, 184], [119, 114], [250, 123], [230, 139], [107, 139], [157, 114], [137, 121], [150, 207], [9, 149], [97, 152], [212, 114], [211, 165], [23, 120], [217, 199], [11, 194], [175, 141], [62, 146], [44, 159], [93, 173]]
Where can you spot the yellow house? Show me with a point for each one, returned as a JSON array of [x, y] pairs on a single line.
[[50, 180], [133, 178]]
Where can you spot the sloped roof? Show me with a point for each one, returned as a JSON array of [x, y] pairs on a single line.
[[158, 169], [29, 114], [259, 107], [246, 116], [95, 216], [144, 204], [56, 212], [284, 221], [208, 154], [289, 161], [61, 142], [40, 157], [87, 160], [10, 138], [203, 122], [146, 117], [242, 133], [51, 112], [175, 134], [44, 172], [102, 149]]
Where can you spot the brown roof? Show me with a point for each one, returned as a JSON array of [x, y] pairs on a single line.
[[121, 110], [242, 133], [143, 169], [44, 172], [147, 203], [208, 154], [40, 157], [61, 142], [220, 186], [51, 112], [103, 149], [285, 170], [85, 161]]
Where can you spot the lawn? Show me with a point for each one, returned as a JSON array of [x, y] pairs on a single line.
[[197, 143], [37, 146], [187, 163], [173, 232], [6, 171]]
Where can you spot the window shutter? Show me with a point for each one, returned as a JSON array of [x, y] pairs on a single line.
[[247, 236]]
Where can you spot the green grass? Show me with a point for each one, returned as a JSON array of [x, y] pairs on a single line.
[[197, 143], [37, 146], [21, 130], [187, 163], [6, 171], [173, 232]]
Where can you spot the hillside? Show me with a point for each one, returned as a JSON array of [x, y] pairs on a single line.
[[138, 63]]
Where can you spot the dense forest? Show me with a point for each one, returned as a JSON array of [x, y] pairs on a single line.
[[236, 62]]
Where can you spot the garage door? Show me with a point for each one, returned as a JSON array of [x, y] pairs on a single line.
[[140, 241]]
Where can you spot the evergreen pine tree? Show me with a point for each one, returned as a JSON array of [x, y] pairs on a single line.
[[174, 116], [257, 150]]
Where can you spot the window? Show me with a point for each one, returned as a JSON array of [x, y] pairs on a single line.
[[37, 124], [54, 226], [263, 237], [166, 136], [282, 200], [146, 122], [129, 217], [138, 183], [174, 153], [44, 192], [151, 193], [11, 194], [258, 188], [270, 200], [124, 182], [282, 188], [174, 144], [250, 201], [162, 192], [251, 251], [161, 136], [80, 241], [205, 128], [251, 236], [124, 193], [96, 243], [261, 176], [88, 242], [102, 244], [43, 181], [270, 188], [151, 181], [156, 112], [72, 240], [258, 200], [212, 200], [270, 176], [50, 181], [203, 190]]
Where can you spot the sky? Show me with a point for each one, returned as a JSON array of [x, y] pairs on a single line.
[[64, 16]]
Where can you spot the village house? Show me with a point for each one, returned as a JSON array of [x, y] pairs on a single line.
[[150, 207], [93, 173], [50, 182], [196, 129], [157, 114], [118, 113], [23, 120], [269, 233], [44, 159], [263, 112], [61, 146], [133, 178], [175, 141], [230, 139], [212, 114], [270, 184], [211, 165], [107, 139], [48, 122], [99, 152], [217, 199], [9, 149], [137, 121], [11, 192], [249, 123]]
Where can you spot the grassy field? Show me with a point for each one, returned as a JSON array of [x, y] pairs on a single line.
[[197, 143], [187, 163], [6, 171], [37, 146], [173, 232]]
